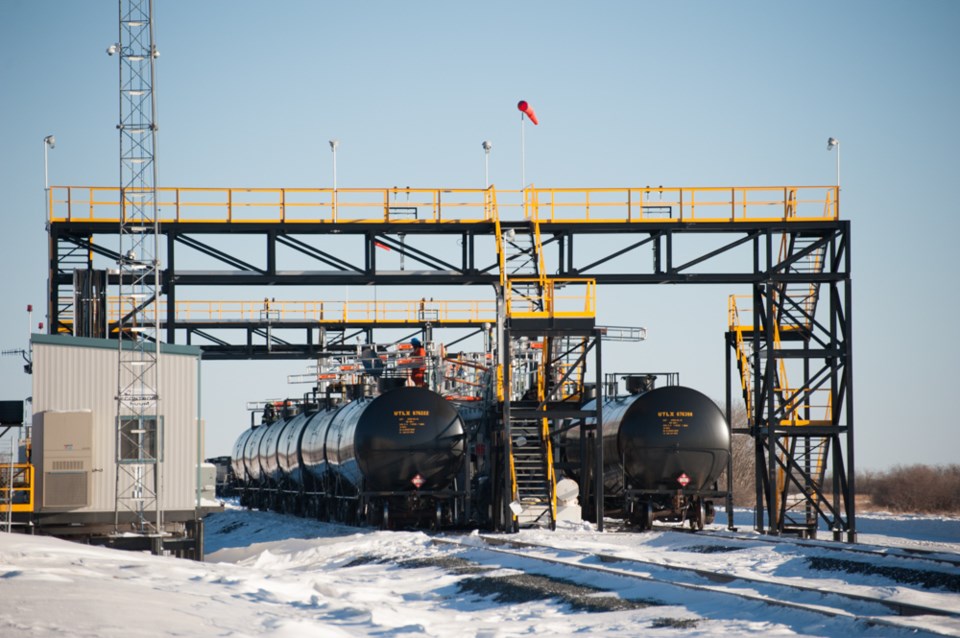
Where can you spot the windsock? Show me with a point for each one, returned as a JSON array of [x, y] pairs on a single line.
[[527, 110]]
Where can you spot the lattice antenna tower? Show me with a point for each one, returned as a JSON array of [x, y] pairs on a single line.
[[138, 421]]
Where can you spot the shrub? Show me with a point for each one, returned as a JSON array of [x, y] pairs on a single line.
[[914, 488], [742, 448]]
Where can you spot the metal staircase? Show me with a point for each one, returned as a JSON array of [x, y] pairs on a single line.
[[71, 259], [530, 450], [521, 267], [534, 476], [804, 256], [801, 460]]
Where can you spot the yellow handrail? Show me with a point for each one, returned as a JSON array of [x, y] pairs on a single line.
[[501, 257], [545, 436], [280, 205], [571, 305], [515, 494], [18, 495], [293, 206], [684, 204], [382, 311]]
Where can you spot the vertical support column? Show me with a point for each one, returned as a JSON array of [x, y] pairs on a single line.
[[731, 346], [598, 463], [770, 381], [272, 253], [509, 524], [759, 433], [53, 258], [169, 289], [370, 254], [657, 265], [847, 397]]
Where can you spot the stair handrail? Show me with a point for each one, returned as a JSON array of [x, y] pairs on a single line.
[[545, 438]]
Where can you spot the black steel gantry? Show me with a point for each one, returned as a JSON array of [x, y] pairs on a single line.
[[791, 352]]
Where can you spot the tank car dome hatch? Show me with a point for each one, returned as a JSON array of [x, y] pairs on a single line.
[[409, 433], [671, 431]]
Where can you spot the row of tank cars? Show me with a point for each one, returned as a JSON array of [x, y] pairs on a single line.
[[409, 457]]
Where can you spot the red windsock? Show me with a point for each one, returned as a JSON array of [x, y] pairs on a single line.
[[527, 110]]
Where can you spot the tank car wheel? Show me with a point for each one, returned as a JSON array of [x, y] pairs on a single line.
[[360, 513], [385, 519], [699, 516], [646, 516], [438, 517]]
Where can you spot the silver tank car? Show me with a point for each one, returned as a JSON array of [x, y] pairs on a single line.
[[404, 446]]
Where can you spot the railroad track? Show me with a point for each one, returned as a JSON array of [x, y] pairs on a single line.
[[940, 557], [821, 599]]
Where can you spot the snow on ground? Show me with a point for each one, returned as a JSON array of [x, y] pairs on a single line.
[[285, 577]]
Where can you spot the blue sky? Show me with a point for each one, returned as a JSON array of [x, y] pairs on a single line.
[[628, 94]]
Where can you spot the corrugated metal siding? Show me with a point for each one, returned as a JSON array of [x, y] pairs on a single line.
[[75, 377]]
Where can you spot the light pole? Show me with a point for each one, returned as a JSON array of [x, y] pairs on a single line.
[[333, 147], [334, 143], [487, 145], [831, 144], [48, 142]]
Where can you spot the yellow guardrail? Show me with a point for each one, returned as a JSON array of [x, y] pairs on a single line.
[[16, 491], [285, 205], [423, 205], [398, 312], [574, 298], [694, 204]]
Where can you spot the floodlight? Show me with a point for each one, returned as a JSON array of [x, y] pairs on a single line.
[[834, 143]]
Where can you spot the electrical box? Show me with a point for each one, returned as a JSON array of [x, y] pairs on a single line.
[[11, 413], [63, 456]]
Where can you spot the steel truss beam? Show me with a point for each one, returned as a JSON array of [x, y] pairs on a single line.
[[742, 253]]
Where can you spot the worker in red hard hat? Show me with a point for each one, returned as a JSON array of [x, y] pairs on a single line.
[[419, 355]]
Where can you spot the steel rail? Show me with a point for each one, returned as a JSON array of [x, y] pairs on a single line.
[[499, 545], [879, 551]]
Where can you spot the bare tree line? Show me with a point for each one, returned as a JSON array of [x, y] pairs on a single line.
[[918, 488]]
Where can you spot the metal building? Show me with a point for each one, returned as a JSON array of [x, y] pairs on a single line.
[[76, 447]]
